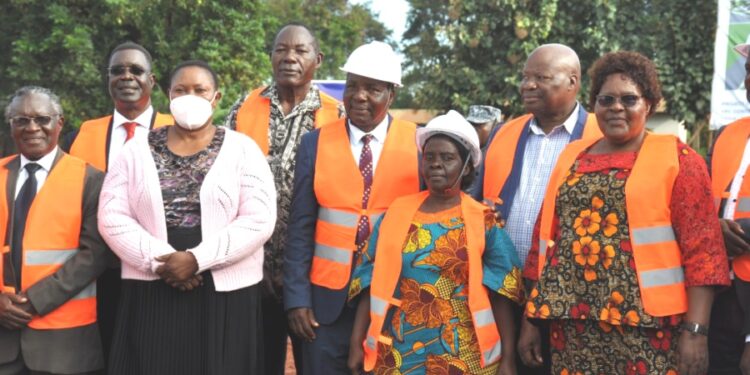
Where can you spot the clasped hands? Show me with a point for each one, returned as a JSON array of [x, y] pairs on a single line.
[[15, 311], [178, 270]]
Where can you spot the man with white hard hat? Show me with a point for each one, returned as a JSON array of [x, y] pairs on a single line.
[[729, 158], [336, 200]]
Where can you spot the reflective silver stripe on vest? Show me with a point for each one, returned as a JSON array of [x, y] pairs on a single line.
[[662, 277], [370, 342], [344, 218], [743, 205], [338, 217], [87, 292], [484, 317], [651, 235], [378, 306], [333, 254], [542, 247], [492, 354], [48, 257]]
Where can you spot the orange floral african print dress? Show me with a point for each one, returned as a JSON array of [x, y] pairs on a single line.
[[589, 287], [432, 332]]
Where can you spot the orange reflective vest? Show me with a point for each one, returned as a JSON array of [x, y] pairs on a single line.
[[254, 116], [51, 238], [339, 187], [92, 142], [501, 152], [725, 162], [648, 193], [387, 270]]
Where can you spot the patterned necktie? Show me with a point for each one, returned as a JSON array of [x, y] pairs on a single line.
[[20, 213], [365, 168], [130, 128]]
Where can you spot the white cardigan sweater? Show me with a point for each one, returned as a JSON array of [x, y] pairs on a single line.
[[238, 213]]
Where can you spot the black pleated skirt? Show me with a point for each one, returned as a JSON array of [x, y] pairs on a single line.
[[161, 330]]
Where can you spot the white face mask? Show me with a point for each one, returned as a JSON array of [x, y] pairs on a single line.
[[190, 111]]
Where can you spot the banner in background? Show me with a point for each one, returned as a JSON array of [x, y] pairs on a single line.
[[728, 92]]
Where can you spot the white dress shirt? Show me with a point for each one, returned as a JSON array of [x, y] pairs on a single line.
[[41, 174], [376, 144], [120, 134]]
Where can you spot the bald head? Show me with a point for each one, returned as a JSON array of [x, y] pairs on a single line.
[[559, 56], [551, 80]]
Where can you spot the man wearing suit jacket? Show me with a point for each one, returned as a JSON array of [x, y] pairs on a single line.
[[347, 173], [521, 154], [52, 251]]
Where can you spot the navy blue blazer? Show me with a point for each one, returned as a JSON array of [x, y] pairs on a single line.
[[508, 192]]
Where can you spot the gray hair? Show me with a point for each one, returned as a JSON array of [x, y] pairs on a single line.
[[30, 90]]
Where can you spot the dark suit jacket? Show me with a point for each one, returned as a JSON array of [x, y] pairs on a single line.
[[327, 304], [67, 350]]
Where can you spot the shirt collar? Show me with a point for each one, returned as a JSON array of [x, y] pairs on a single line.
[[379, 133], [45, 161], [143, 120], [310, 103], [569, 124]]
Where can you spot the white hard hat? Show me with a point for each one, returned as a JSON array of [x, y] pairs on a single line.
[[375, 60], [453, 125]]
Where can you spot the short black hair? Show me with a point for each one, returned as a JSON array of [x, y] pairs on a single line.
[[196, 63], [316, 45], [640, 69], [463, 153], [132, 45]]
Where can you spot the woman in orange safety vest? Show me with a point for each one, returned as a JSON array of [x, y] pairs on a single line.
[[436, 283], [628, 247]]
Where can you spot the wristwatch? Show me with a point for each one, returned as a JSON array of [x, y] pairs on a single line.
[[694, 328]]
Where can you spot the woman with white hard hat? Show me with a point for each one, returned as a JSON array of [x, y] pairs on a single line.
[[436, 283]]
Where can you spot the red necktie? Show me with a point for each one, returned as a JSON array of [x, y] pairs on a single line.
[[365, 168], [130, 128]]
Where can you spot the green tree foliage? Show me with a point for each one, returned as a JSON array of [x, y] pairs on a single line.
[[461, 52], [64, 45]]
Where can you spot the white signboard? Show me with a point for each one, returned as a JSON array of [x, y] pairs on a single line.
[[728, 94]]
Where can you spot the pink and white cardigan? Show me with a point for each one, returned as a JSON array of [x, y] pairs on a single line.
[[238, 213]]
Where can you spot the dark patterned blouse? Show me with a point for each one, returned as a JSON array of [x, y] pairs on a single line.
[[590, 271], [181, 177]]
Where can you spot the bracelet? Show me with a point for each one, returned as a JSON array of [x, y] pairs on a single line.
[[694, 328]]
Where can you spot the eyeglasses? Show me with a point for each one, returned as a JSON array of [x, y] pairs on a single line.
[[23, 121], [119, 70], [625, 100]]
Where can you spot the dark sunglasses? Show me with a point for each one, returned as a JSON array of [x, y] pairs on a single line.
[[119, 70], [625, 100], [23, 121]]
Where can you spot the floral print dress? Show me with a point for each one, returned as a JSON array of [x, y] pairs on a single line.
[[432, 331], [589, 286]]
